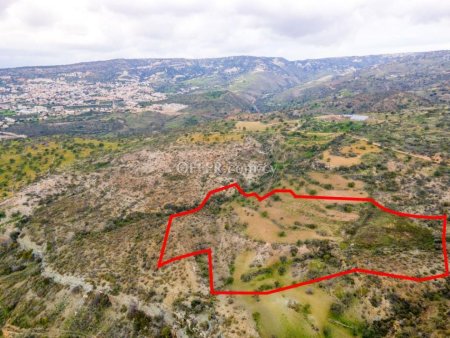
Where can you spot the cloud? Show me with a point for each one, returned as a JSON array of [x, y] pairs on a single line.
[[4, 5], [55, 32], [143, 8], [37, 17]]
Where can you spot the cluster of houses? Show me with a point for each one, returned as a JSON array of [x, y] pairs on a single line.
[[69, 94]]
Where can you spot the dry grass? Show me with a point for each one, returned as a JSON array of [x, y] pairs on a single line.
[[288, 220], [265, 229], [339, 186], [349, 155], [252, 125]]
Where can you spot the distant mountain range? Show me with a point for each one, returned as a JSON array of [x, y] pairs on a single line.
[[247, 83]]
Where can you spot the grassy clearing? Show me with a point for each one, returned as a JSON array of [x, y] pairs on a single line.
[[253, 125], [300, 312], [266, 229], [349, 155], [284, 219], [329, 184]]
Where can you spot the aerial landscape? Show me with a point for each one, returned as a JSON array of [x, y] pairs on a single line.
[[223, 196]]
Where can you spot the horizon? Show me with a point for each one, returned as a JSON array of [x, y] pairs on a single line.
[[226, 56]]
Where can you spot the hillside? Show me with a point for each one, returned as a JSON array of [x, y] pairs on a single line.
[[100, 154], [244, 83]]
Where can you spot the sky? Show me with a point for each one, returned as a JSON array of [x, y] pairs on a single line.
[[47, 32]]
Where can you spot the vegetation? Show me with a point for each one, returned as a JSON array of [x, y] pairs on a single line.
[[23, 161], [79, 258]]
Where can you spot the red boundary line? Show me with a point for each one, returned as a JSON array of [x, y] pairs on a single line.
[[208, 251]]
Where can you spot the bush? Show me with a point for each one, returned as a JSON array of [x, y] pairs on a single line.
[[327, 332], [141, 322], [229, 280], [165, 332], [100, 300], [294, 251], [348, 208], [307, 309], [336, 309], [256, 317]]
